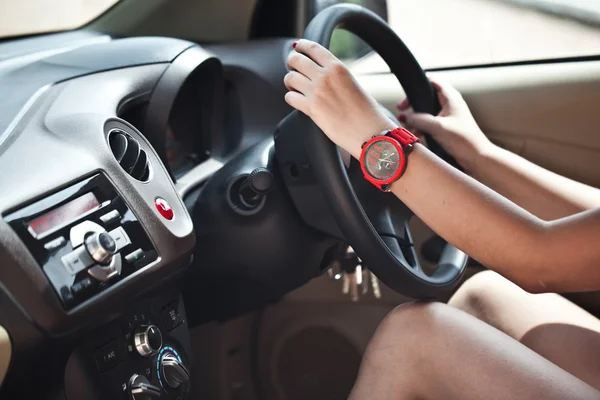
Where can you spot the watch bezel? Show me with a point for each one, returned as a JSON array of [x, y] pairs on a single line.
[[402, 161]]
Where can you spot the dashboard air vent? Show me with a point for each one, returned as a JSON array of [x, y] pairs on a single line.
[[129, 154]]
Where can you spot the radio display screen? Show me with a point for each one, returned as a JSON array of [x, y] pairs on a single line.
[[63, 214]]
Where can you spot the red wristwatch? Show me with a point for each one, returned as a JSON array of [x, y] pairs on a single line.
[[383, 158]]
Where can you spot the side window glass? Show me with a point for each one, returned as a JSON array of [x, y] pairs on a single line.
[[457, 33]]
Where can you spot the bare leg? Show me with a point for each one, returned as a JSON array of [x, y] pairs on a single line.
[[434, 351], [546, 323]]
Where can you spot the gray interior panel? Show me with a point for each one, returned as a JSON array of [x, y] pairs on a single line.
[[28, 77]]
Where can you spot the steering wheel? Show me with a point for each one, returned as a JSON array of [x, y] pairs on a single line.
[[375, 224]]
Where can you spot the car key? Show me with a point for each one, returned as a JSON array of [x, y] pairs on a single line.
[[352, 273], [375, 285]]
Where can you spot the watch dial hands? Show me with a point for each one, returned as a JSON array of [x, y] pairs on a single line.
[[385, 161]]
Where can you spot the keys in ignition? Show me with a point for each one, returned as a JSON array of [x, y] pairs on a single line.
[[356, 278]]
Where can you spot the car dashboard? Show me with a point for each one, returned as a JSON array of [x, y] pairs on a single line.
[[102, 147]]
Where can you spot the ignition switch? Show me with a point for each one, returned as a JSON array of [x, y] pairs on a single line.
[[247, 193]]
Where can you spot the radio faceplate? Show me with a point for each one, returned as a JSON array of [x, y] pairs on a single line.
[[84, 237]]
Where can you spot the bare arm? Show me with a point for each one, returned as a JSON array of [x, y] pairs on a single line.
[[562, 255], [546, 194], [541, 192], [540, 256]]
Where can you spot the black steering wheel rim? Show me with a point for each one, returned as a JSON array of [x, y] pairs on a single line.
[[335, 184]]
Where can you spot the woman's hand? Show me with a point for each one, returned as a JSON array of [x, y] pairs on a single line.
[[454, 127], [321, 87]]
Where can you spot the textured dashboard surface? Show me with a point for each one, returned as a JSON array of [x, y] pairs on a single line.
[[24, 75]]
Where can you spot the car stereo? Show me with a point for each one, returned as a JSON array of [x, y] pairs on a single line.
[[84, 237]]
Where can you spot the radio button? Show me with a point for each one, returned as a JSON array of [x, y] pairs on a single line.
[[120, 237], [171, 316], [55, 244], [102, 273], [77, 260], [109, 217], [81, 286], [108, 356], [134, 256], [66, 295]]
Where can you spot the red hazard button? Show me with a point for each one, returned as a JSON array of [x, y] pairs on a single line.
[[163, 208]]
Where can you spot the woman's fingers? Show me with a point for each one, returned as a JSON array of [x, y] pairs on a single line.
[[298, 101], [305, 64], [423, 122], [446, 92], [436, 83], [301, 63], [297, 82], [440, 84], [404, 105], [315, 52], [443, 89]]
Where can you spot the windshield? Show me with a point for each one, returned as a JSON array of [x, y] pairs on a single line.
[[26, 17]]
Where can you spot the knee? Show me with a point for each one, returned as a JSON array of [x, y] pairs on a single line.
[[411, 320], [403, 331], [478, 295], [395, 358]]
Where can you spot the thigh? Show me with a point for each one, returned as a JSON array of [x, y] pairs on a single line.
[[433, 351], [548, 323]]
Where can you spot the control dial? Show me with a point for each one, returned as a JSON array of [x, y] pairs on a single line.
[[140, 388], [101, 246], [147, 340], [173, 371]]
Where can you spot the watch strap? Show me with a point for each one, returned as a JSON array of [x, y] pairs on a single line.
[[403, 136]]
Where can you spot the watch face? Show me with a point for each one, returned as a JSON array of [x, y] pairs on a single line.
[[381, 160]]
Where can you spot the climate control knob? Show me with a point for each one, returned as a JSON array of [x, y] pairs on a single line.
[[173, 371], [140, 388], [101, 246], [147, 340]]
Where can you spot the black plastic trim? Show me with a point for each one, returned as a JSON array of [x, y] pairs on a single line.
[[162, 99]]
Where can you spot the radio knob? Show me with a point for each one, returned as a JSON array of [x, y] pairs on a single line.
[[147, 340], [101, 247]]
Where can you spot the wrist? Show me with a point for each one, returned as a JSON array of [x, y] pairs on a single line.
[[482, 153], [381, 125]]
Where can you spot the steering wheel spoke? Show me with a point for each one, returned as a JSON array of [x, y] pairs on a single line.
[[404, 251], [388, 215]]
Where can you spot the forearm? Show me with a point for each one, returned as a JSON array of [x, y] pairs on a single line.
[[543, 193], [488, 227]]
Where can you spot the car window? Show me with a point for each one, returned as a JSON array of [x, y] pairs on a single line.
[[453, 33], [25, 17]]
